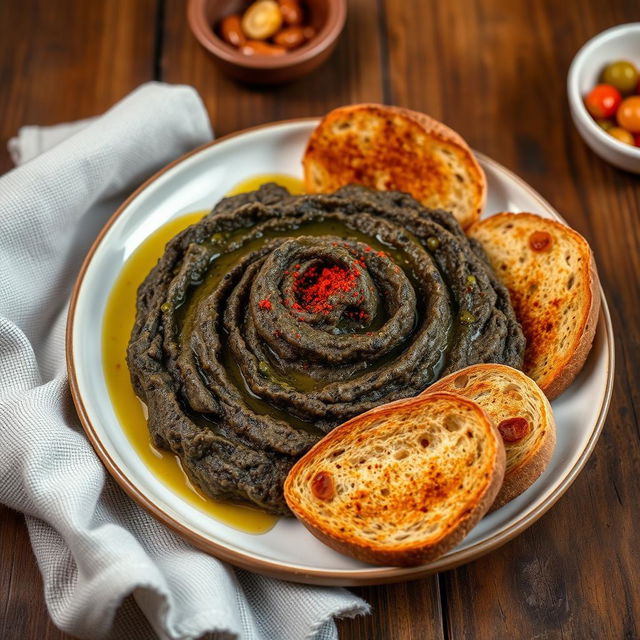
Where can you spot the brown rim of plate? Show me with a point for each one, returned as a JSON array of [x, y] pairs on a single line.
[[355, 577]]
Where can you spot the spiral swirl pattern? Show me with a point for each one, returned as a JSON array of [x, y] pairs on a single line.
[[278, 317]]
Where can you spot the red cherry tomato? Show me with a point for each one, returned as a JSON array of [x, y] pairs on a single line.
[[603, 101], [636, 139]]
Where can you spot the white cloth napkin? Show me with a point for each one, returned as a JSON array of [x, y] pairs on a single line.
[[94, 546]]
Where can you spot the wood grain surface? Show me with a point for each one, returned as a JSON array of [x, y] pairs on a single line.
[[495, 70]]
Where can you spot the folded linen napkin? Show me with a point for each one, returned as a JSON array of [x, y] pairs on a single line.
[[93, 544]]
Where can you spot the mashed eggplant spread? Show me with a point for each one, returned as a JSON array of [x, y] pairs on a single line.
[[278, 317]]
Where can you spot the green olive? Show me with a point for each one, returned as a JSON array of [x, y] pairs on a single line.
[[605, 124], [621, 74], [433, 243], [265, 370]]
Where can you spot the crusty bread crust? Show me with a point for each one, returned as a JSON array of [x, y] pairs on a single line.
[[457, 525], [523, 467], [566, 366], [571, 369], [525, 475], [322, 143]]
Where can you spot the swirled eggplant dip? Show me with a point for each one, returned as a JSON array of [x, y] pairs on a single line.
[[278, 317]]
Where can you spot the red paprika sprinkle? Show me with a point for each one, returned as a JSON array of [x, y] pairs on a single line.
[[315, 286], [356, 315], [265, 304]]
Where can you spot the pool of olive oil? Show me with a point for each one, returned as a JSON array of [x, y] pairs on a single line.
[[117, 323]]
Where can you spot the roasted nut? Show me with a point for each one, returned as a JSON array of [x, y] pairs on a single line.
[[262, 19], [231, 30], [291, 12], [290, 37], [259, 48]]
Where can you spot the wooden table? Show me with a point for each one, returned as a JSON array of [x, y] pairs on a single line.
[[494, 70]]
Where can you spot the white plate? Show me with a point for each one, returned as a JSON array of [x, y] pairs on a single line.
[[198, 181]]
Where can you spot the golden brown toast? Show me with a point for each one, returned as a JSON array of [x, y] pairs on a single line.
[[394, 149], [551, 276], [400, 484], [521, 412]]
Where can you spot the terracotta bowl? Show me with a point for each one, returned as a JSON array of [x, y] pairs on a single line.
[[327, 17]]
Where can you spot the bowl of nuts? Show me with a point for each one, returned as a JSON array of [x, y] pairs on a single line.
[[267, 41]]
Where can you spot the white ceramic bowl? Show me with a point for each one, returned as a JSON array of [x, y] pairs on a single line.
[[619, 43]]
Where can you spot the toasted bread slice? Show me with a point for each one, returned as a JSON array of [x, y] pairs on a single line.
[[551, 276], [400, 484], [507, 394], [394, 149]]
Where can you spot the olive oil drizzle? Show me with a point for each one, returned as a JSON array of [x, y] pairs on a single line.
[[231, 247]]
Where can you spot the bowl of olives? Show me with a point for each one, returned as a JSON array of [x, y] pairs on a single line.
[[267, 41], [603, 87]]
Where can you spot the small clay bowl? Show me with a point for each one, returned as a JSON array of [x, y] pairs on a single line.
[[327, 17]]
